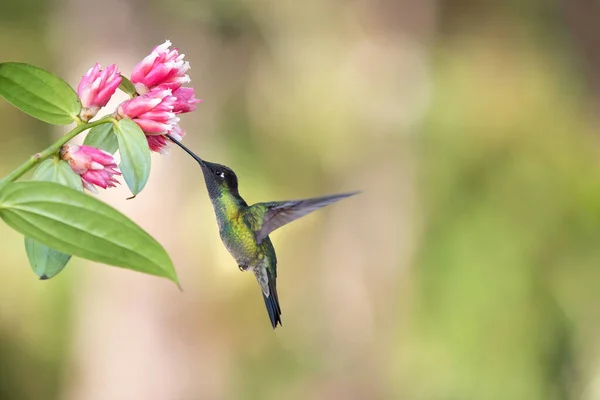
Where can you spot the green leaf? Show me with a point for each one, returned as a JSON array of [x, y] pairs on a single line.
[[74, 223], [135, 155], [59, 171], [39, 93], [127, 87], [102, 137], [45, 262]]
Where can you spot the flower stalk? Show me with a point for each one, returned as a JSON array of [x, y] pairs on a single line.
[[51, 150]]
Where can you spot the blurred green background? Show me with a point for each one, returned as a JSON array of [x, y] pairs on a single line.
[[468, 269]]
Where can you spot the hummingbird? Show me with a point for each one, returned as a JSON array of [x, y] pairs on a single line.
[[245, 229]]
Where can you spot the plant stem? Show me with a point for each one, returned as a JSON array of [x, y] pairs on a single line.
[[51, 150]]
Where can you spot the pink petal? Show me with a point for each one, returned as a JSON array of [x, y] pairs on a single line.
[[139, 105], [153, 127]]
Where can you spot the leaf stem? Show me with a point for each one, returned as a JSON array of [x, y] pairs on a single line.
[[51, 150]]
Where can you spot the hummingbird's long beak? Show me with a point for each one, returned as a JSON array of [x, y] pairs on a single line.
[[209, 179], [191, 153]]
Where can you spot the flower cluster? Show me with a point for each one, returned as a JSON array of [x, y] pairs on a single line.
[[95, 166], [159, 100], [158, 79]]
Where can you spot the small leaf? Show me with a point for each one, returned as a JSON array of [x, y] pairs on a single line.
[[59, 171], [102, 137], [39, 93], [74, 223], [45, 262], [127, 87], [135, 155]]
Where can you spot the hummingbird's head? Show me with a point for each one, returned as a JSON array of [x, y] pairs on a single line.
[[219, 179]]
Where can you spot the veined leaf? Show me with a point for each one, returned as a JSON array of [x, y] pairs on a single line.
[[135, 155], [59, 171], [74, 223], [45, 261], [102, 137], [39, 93]]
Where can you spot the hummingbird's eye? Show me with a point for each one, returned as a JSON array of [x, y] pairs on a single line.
[[221, 174]]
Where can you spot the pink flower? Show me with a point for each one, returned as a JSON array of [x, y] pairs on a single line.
[[186, 101], [95, 166], [158, 79], [96, 88], [160, 143], [153, 112], [162, 67]]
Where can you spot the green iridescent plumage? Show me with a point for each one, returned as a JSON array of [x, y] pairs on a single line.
[[245, 229]]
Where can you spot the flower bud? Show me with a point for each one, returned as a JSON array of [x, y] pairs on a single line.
[[96, 167], [96, 88], [162, 67]]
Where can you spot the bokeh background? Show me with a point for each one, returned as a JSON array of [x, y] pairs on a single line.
[[469, 268]]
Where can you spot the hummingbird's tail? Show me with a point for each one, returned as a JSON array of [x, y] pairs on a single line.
[[272, 303]]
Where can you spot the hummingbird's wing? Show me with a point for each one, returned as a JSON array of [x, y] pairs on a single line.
[[277, 214]]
